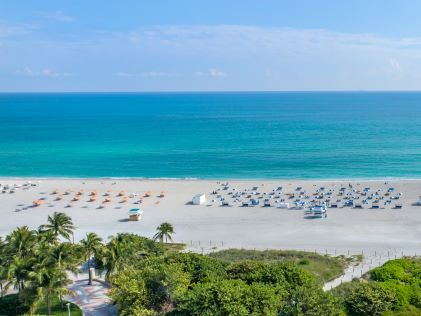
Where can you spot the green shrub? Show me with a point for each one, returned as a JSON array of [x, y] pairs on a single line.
[[230, 297], [201, 268], [193, 284], [400, 269], [286, 275], [310, 301], [11, 305], [370, 299], [402, 292]]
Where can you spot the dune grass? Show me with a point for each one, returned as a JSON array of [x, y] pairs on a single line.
[[325, 268], [174, 247]]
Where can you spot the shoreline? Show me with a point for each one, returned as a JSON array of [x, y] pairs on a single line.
[[6, 178]]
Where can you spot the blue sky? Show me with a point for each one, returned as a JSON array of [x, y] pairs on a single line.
[[245, 45]]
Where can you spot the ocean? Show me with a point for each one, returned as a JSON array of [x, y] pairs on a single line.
[[297, 135]]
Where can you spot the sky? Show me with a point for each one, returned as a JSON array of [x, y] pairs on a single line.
[[209, 45]]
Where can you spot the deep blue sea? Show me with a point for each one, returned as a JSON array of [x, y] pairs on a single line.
[[211, 135]]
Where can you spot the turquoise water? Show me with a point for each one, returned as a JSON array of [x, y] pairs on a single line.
[[211, 135]]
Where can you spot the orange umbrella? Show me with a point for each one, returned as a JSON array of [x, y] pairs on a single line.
[[37, 202]]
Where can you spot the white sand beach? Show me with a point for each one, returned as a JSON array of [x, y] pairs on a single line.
[[216, 227]]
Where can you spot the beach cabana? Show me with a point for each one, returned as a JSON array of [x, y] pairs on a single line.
[[199, 199], [134, 215]]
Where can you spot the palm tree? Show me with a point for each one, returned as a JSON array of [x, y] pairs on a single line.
[[17, 273], [20, 242], [112, 257], [3, 269], [164, 231], [17, 257], [46, 237], [46, 281], [59, 224], [90, 245], [66, 256], [3, 279]]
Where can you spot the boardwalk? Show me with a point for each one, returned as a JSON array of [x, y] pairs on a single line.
[[370, 261]]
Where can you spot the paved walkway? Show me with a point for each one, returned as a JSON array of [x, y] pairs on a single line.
[[369, 262], [92, 299]]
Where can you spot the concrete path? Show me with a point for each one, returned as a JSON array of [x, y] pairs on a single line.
[[92, 299], [370, 261]]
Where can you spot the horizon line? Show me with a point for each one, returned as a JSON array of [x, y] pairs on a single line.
[[209, 91]]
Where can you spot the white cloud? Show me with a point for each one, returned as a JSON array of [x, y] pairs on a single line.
[[56, 16], [149, 74], [212, 72], [395, 65], [28, 72], [235, 57], [14, 30], [275, 37], [158, 74], [124, 74]]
